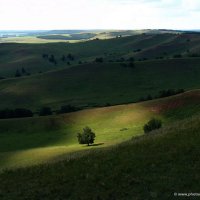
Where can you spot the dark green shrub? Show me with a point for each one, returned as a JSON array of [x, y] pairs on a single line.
[[63, 58], [45, 111], [177, 56], [152, 125], [17, 113], [86, 137], [99, 60], [70, 57], [67, 109], [17, 73], [23, 71]]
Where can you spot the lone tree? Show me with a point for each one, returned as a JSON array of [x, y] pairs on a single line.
[[86, 137], [152, 125]]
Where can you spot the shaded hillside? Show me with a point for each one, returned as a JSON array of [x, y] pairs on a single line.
[[92, 85]]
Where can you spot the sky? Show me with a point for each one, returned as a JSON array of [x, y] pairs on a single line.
[[99, 14]]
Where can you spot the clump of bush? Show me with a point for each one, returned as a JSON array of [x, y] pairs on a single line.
[[86, 137], [194, 55], [152, 125], [162, 94], [99, 60], [67, 109], [45, 111], [177, 56], [170, 92], [131, 64]]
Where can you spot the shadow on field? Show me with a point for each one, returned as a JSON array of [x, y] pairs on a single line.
[[94, 145]]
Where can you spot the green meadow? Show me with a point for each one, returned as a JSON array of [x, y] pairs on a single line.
[[38, 140]]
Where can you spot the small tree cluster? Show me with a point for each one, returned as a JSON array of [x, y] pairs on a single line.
[[169, 92], [162, 94], [194, 55], [15, 113], [86, 137], [99, 60], [52, 59], [45, 111], [44, 55], [177, 56], [17, 73], [21, 72], [152, 125], [67, 109], [130, 65], [70, 57]]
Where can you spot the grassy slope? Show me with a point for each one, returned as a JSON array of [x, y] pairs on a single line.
[[99, 84], [150, 167], [30, 141], [15, 56]]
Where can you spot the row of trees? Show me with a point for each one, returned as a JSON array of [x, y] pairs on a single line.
[[162, 94], [122, 59], [63, 109], [52, 58], [15, 113], [44, 111], [21, 72], [131, 65]]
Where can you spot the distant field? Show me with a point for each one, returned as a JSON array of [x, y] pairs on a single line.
[[80, 36], [31, 141], [26, 39]]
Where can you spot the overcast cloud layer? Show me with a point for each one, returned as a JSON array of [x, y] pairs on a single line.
[[99, 14]]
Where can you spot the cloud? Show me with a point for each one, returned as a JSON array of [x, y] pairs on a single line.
[[191, 5], [99, 14]]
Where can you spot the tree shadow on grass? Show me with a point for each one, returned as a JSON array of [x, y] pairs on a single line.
[[94, 145]]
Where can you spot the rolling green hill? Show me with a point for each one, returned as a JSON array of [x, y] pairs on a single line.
[[30, 141], [90, 85], [148, 167], [14, 56]]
